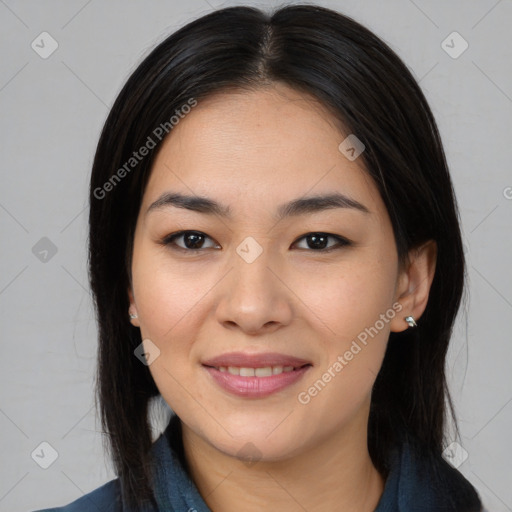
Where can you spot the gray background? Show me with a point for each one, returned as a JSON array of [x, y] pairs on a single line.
[[52, 111]]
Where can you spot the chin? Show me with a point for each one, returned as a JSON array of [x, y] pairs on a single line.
[[256, 441]]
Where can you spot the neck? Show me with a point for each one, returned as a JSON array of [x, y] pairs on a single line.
[[337, 474]]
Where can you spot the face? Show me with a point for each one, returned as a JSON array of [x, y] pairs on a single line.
[[304, 296]]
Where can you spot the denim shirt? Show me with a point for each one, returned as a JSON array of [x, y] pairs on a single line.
[[411, 485]]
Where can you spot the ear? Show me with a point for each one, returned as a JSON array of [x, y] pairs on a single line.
[[133, 309], [413, 284]]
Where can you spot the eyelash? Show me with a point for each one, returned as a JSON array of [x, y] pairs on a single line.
[[169, 241]]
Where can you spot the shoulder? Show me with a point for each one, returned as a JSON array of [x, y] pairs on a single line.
[[437, 484], [106, 498]]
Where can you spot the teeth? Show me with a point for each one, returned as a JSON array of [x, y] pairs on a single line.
[[266, 371], [246, 372], [263, 372]]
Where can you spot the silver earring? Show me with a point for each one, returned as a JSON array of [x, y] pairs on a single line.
[[410, 320], [133, 315]]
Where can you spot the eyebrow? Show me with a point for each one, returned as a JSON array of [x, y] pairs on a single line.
[[295, 207]]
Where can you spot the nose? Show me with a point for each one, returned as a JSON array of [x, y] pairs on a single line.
[[254, 297]]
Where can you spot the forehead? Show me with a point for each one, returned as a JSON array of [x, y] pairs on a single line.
[[265, 146]]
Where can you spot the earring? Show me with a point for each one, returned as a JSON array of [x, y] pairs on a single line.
[[410, 320], [132, 315]]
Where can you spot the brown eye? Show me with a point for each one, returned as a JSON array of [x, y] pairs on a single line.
[[192, 240], [320, 241]]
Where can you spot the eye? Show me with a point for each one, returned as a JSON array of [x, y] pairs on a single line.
[[319, 242], [192, 240]]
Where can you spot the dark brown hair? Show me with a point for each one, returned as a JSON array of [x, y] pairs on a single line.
[[365, 86]]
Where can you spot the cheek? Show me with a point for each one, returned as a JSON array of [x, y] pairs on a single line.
[[168, 296], [355, 305], [350, 298], [357, 310], [170, 314]]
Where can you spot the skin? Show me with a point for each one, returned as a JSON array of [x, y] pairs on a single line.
[[252, 151]]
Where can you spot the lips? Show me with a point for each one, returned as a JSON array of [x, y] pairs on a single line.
[[241, 360], [255, 375]]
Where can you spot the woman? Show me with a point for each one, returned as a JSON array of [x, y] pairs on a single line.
[[275, 251]]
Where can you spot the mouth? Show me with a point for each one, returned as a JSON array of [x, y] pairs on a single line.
[[255, 375], [264, 371], [262, 360]]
